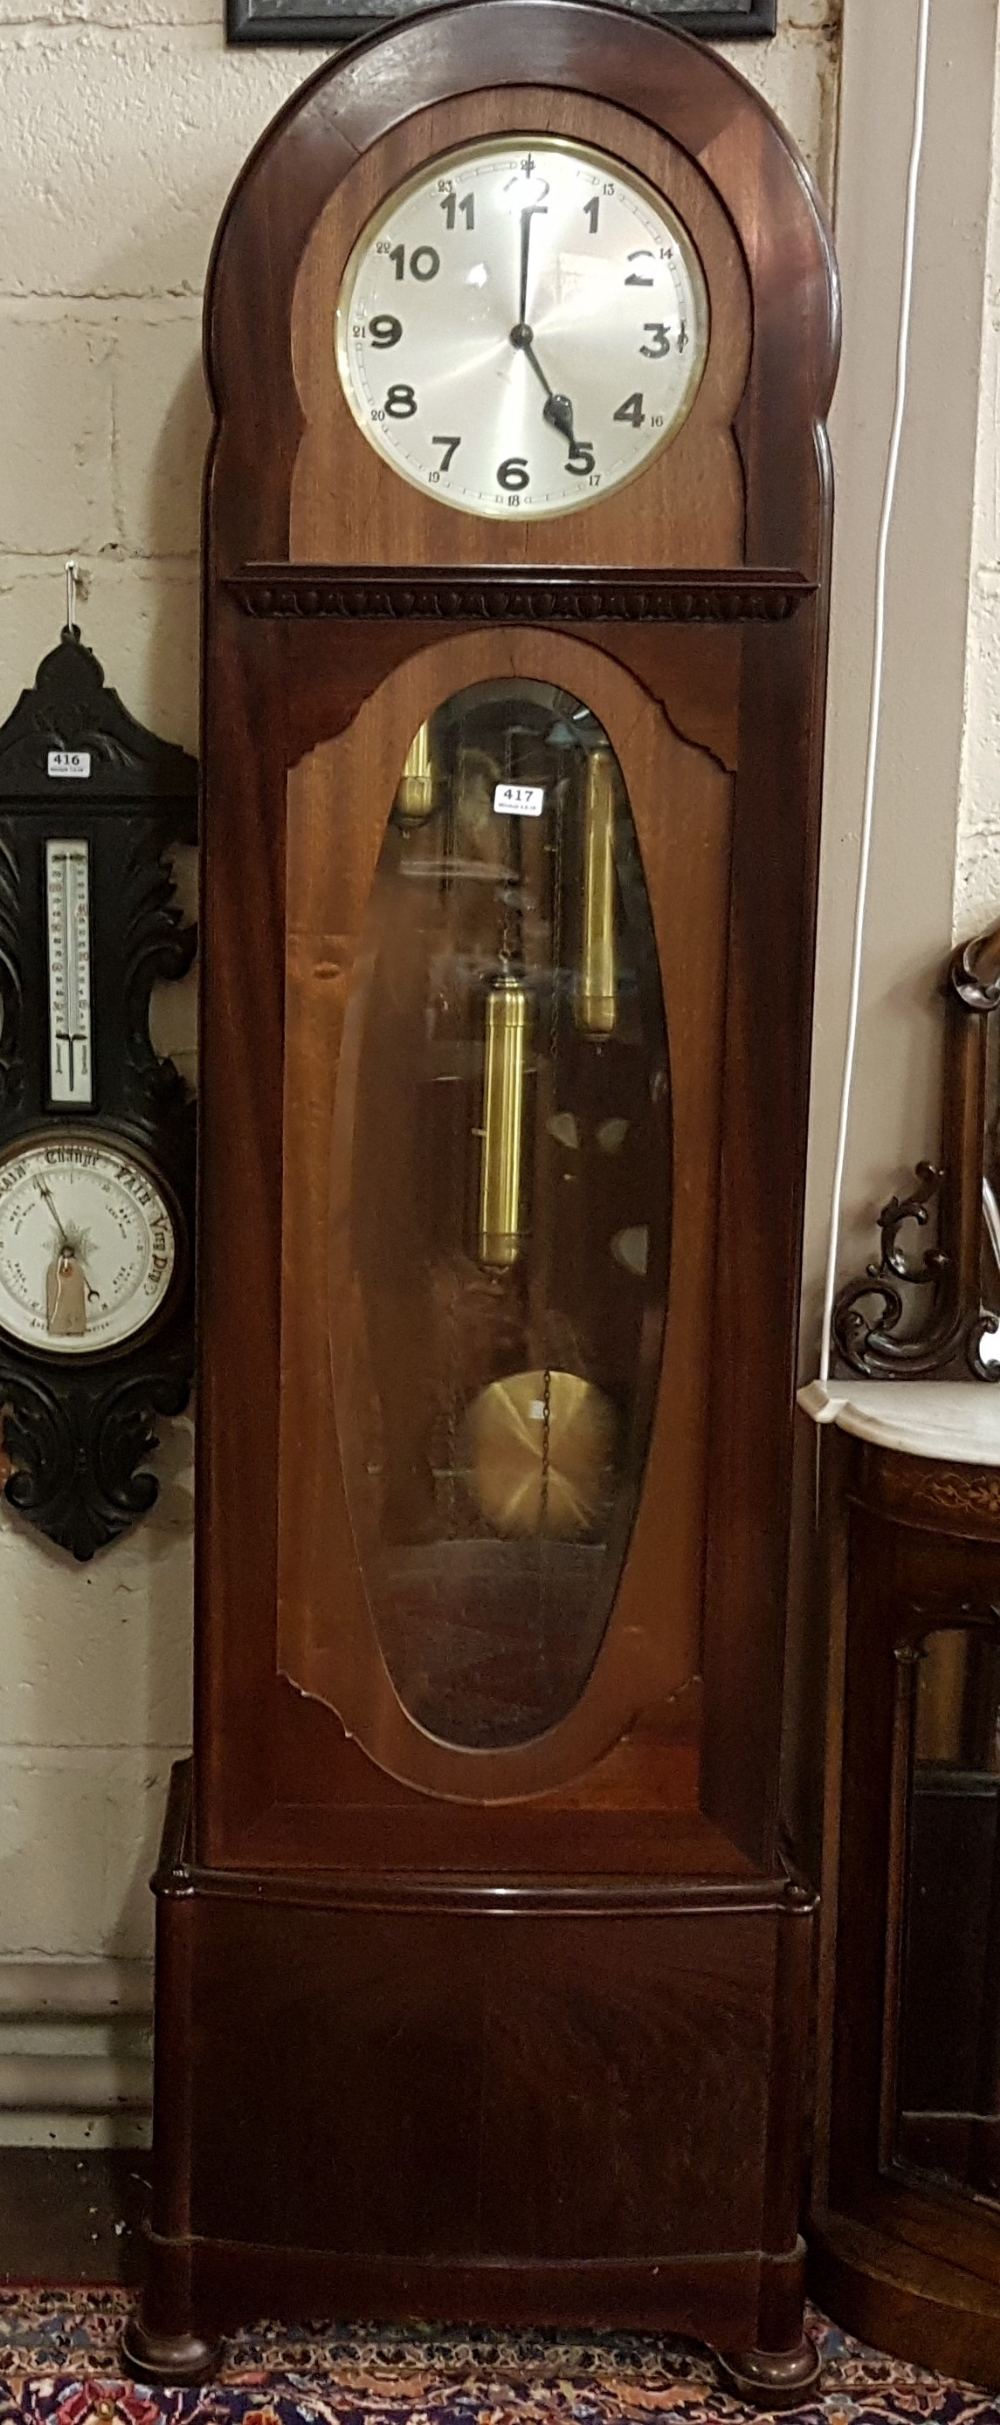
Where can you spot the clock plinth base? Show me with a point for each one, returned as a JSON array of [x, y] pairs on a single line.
[[167, 2357], [313, 2147], [773, 2379]]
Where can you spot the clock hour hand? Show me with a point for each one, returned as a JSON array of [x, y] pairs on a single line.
[[557, 409]]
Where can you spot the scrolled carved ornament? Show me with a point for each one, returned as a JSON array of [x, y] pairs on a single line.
[[920, 1317]]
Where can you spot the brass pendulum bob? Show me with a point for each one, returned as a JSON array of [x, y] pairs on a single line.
[[421, 788], [539, 1449], [503, 1124], [596, 987]]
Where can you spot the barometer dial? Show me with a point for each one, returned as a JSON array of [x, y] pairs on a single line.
[[88, 1244], [521, 327]]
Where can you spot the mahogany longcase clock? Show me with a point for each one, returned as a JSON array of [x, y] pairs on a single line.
[[482, 1983]]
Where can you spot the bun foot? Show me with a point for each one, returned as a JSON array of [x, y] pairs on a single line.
[[167, 2357], [773, 2378]]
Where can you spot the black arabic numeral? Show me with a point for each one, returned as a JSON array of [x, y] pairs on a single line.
[[455, 209], [660, 334], [384, 330], [424, 262], [400, 403], [631, 410], [449, 445], [592, 213], [513, 472], [635, 277], [581, 457]]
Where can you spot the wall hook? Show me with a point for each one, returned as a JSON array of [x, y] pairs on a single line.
[[71, 630]]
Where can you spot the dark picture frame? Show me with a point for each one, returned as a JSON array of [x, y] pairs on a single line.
[[330, 22]]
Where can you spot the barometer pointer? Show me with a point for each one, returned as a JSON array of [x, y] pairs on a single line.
[[48, 1198], [67, 1247]]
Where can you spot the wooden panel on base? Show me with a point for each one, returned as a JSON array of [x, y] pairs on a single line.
[[493, 2108]]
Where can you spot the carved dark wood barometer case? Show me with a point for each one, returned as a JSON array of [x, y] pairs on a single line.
[[97, 1130], [483, 1987]]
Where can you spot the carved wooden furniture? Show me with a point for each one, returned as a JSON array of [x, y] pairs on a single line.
[[908, 1317], [906, 2190], [905, 2235], [482, 1987]]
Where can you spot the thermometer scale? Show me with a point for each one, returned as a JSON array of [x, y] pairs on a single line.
[[67, 915]]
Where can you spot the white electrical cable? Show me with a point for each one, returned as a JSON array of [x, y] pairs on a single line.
[[878, 677]]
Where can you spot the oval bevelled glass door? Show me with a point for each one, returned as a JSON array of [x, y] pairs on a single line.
[[503, 1107]]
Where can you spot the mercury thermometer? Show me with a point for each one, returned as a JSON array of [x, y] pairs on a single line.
[[67, 918]]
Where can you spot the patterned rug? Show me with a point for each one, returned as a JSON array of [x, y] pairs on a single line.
[[59, 2365]]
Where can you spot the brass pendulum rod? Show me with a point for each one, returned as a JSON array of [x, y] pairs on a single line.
[[596, 988], [421, 788], [500, 1234]]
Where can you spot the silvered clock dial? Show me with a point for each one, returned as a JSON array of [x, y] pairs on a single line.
[[521, 326]]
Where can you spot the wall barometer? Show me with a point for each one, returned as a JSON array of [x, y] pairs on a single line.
[[96, 1127], [521, 331]]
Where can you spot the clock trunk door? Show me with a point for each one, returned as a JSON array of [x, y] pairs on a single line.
[[504, 908]]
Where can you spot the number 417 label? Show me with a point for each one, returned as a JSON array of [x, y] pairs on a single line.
[[519, 799]]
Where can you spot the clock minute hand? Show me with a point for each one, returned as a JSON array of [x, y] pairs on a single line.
[[522, 305]]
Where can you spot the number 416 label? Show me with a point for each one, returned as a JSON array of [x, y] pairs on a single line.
[[74, 763], [519, 799]]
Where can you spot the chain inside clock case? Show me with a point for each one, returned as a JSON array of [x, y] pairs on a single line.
[[96, 1128]]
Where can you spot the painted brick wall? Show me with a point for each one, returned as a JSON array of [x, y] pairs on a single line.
[[125, 122]]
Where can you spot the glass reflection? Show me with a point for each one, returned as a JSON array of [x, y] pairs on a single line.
[[948, 2121], [506, 1128]]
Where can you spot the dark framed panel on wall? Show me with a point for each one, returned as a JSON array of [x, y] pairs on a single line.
[[333, 21]]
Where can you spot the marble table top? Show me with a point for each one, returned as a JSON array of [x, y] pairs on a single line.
[[958, 1420]]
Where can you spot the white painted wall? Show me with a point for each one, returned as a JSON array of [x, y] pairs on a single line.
[[896, 1118], [977, 870], [125, 122]]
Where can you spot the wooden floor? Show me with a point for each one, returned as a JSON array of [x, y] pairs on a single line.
[[70, 2217]]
